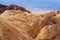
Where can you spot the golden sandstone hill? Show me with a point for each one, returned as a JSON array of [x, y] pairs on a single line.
[[16, 24]]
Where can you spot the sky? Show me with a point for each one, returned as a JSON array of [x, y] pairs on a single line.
[[35, 5]]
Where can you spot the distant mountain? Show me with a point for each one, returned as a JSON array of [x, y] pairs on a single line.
[[12, 7]]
